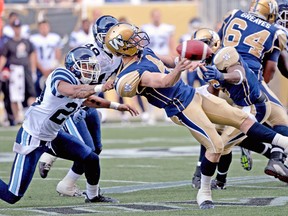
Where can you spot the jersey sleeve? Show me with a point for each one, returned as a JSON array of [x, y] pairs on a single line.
[[281, 40], [127, 85], [61, 74]]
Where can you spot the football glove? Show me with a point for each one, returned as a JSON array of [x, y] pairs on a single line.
[[212, 73], [79, 116]]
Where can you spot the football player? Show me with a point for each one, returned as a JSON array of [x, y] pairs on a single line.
[[89, 129], [211, 38], [145, 74], [256, 38], [282, 23], [66, 90]]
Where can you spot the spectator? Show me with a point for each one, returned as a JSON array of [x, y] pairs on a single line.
[[8, 29], [19, 52], [4, 81], [193, 25], [82, 36], [48, 53], [161, 34]]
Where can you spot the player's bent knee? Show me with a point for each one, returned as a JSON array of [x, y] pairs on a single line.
[[12, 199]]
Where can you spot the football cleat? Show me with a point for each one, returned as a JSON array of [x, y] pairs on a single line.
[[207, 205], [45, 163], [100, 198], [218, 185], [204, 199], [67, 190], [246, 159], [277, 169], [44, 168], [196, 182]]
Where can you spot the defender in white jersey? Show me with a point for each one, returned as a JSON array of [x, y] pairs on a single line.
[[66, 90], [48, 49], [85, 124]]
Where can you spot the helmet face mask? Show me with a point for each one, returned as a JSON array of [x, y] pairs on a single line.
[[264, 9], [82, 62], [126, 40], [101, 27], [283, 13]]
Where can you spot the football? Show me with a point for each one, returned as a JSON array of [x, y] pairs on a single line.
[[194, 50]]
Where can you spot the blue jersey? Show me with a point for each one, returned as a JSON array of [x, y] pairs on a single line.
[[173, 99], [252, 37], [246, 93]]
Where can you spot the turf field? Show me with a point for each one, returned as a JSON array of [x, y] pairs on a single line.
[[149, 169]]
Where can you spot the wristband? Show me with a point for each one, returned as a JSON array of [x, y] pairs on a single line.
[[241, 77], [98, 88], [114, 105]]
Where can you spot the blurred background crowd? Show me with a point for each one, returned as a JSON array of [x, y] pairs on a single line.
[[35, 35]]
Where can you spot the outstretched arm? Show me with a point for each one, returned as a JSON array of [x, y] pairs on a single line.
[[97, 102], [82, 91], [160, 80]]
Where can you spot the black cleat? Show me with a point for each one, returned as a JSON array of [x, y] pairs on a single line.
[[44, 169], [218, 185], [196, 182], [208, 204], [100, 198]]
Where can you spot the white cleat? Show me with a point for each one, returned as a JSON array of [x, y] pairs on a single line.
[[204, 199], [67, 190]]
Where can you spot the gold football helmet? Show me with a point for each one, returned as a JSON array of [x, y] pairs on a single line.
[[124, 39], [264, 9], [208, 36]]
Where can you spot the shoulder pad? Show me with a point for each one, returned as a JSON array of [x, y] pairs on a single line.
[[225, 58], [127, 85]]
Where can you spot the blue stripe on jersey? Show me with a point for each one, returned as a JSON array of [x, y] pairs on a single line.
[[17, 173], [19, 162], [71, 129], [63, 75]]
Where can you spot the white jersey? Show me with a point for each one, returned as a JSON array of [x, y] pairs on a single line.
[[159, 37], [109, 63], [286, 32], [45, 48], [80, 38], [46, 116], [9, 32]]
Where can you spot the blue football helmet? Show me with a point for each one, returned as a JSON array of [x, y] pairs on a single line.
[[282, 18], [101, 27], [82, 62]]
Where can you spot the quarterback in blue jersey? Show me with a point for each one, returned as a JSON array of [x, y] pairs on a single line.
[[145, 74], [65, 91]]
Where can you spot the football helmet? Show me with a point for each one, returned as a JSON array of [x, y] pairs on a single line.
[[208, 36], [282, 18], [82, 62], [101, 27], [125, 39], [264, 9]]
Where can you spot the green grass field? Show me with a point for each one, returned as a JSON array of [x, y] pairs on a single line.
[[149, 169]]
